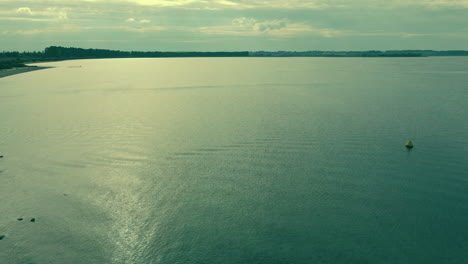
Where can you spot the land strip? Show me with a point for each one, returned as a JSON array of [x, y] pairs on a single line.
[[18, 70]]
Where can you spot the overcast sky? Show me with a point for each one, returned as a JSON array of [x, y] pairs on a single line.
[[227, 25]]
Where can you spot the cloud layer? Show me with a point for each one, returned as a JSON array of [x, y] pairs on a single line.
[[236, 24]]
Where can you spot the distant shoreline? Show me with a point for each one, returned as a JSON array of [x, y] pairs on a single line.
[[23, 68], [18, 70]]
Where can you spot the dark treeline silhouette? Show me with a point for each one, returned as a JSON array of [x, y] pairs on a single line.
[[369, 53], [57, 52], [62, 52], [15, 59], [25, 54], [8, 64]]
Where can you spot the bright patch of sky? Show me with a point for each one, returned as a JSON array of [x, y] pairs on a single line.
[[227, 25]]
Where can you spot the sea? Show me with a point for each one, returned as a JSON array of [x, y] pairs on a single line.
[[235, 160]]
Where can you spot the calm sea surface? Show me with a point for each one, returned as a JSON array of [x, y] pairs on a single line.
[[236, 160]]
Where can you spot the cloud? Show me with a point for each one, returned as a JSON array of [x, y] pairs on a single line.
[[50, 14], [350, 24], [239, 4], [243, 21], [281, 28], [264, 26], [140, 21], [31, 19], [168, 2], [270, 25], [288, 4], [24, 10], [446, 3], [58, 13], [147, 29], [203, 4], [67, 28], [258, 4], [47, 30], [186, 3]]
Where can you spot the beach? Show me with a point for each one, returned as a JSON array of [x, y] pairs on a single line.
[[9, 72]]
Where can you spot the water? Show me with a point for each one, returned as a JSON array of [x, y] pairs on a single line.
[[236, 160]]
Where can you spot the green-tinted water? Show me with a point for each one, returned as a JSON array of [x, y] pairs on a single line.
[[239, 160]]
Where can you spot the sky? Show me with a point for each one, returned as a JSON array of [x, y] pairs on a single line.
[[234, 25]]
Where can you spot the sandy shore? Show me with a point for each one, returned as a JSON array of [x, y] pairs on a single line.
[[8, 72]]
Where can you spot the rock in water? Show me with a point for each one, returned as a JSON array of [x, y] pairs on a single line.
[[20, 219], [33, 220], [2, 237]]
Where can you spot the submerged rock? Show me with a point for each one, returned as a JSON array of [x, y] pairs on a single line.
[[2, 237]]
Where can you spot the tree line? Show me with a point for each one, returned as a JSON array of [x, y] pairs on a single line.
[[59, 53], [62, 52]]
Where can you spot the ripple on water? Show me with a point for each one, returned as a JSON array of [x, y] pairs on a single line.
[[131, 157]]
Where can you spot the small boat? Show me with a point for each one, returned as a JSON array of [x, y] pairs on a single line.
[[409, 144]]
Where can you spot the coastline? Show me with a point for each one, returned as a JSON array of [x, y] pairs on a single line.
[[13, 71]]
